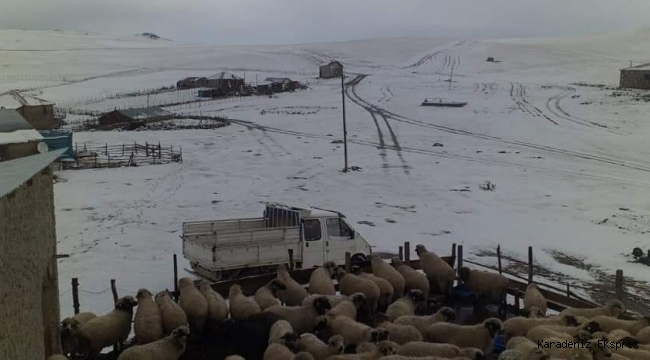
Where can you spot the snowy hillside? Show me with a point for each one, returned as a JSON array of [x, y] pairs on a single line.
[[564, 156]]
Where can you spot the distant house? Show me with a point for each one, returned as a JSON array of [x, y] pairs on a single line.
[[265, 88], [29, 295], [282, 84], [331, 69], [133, 118], [17, 137], [226, 82], [637, 77], [192, 82], [38, 112]]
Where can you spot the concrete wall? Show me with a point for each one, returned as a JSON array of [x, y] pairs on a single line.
[[29, 294], [41, 117], [330, 71], [635, 79], [14, 151]]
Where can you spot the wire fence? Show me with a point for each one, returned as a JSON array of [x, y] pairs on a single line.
[[109, 156]]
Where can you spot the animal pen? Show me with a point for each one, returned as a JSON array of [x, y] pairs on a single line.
[[108, 156]]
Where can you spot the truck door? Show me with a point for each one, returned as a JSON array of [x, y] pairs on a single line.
[[313, 251], [340, 239]]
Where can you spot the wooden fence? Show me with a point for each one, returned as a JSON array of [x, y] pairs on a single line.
[[108, 156]]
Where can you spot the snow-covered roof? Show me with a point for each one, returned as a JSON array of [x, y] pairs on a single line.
[[638, 67], [224, 75], [144, 113], [307, 210], [277, 79], [16, 172], [14, 100], [15, 129], [330, 63]]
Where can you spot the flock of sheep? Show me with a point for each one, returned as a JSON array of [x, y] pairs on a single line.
[[373, 317]]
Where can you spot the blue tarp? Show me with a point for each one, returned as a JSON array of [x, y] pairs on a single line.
[[59, 139]]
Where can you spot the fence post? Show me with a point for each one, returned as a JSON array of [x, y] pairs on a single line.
[[95, 159], [135, 146], [106, 149], [460, 257], [290, 259], [109, 160], [76, 150], [348, 262], [75, 295], [175, 278], [530, 264], [114, 291], [499, 257], [407, 253], [400, 254], [619, 284], [122, 149]]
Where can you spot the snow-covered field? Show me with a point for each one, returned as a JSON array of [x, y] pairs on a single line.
[[564, 156]]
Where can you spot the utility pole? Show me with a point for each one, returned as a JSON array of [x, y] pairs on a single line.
[[451, 76], [345, 131]]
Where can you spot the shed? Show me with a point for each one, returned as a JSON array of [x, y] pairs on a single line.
[[265, 88], [38, 112], [279, 84], [59, 139], [134, 117], [636, 77], [29, 295], [226, 82], [331, 69], [192, 82], [17, 137]]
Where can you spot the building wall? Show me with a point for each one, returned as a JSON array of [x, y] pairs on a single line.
[[14, 151], [635, 79], [29, 295], [330, 71], [41, 117], [113, 117]]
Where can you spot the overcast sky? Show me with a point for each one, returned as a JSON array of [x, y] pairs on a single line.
[[232, 22]]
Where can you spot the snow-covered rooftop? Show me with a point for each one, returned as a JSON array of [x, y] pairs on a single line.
[[14, 129], [14, 100], [643, 67], [224, 75], [15, 172]]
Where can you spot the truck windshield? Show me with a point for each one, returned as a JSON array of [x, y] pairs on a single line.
[[312, 229], [336, 227]]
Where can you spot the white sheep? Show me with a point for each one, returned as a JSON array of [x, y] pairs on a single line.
[[441, 276], [489, 284], [348, 307], [424, 349], [68, 331], [301, 318], [333, 299], [579, 353], [472, 353], [194, 304], [278, 331], [168, 348], [569, 333], [384, 350], [320, 281], [644, 335], [527, 348], [386, 291], [281, 352], [217, 306], [406, 305], [318, 349], [478, 336], [512, 355], [267, 295], [609, 324], [241, 307], [422, 323], [107, 330], [173, 315], [294, 293], [147, 323], [382, 269], [350, 284], [613, 308], [401, 334], [534, 298], [355, 333], [519, 325], [413, 279]]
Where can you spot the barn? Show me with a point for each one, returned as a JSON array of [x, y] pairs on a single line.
[[17, 137], [38, 112], [226, 82], [637, 77], [133, 118], [192, 82], [29, 295], [331, 69]]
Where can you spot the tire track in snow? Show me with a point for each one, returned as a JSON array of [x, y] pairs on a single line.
[[554, 107], [518, 93]]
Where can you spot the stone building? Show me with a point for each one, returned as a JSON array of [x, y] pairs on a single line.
[[29, 294], [331, 70], [17, 137], [637, 77], [38, 112]]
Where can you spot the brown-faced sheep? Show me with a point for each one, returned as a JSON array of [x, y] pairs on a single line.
[[302, 318], [267, 295], [441, 276], [350, 284], [355, 333], [413, 279], [382, 350], [68, 331], [535, 313], [168, 348], [217, 307], [478, 336], [619, 335], [294, 293], [241, 307], [147, 323], [491, 285], [333, 299], [281, 352], [173, 315], [386, 291], [319, 349], [406, 305], [534, 297], [382, 269], [527, 348], [424, 349], [280, 331], [519, 326], [107, 330], [422, 323], [613, 308], [348, 308], [400, 334], [320, 281], [194, 304], [609, 324]]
